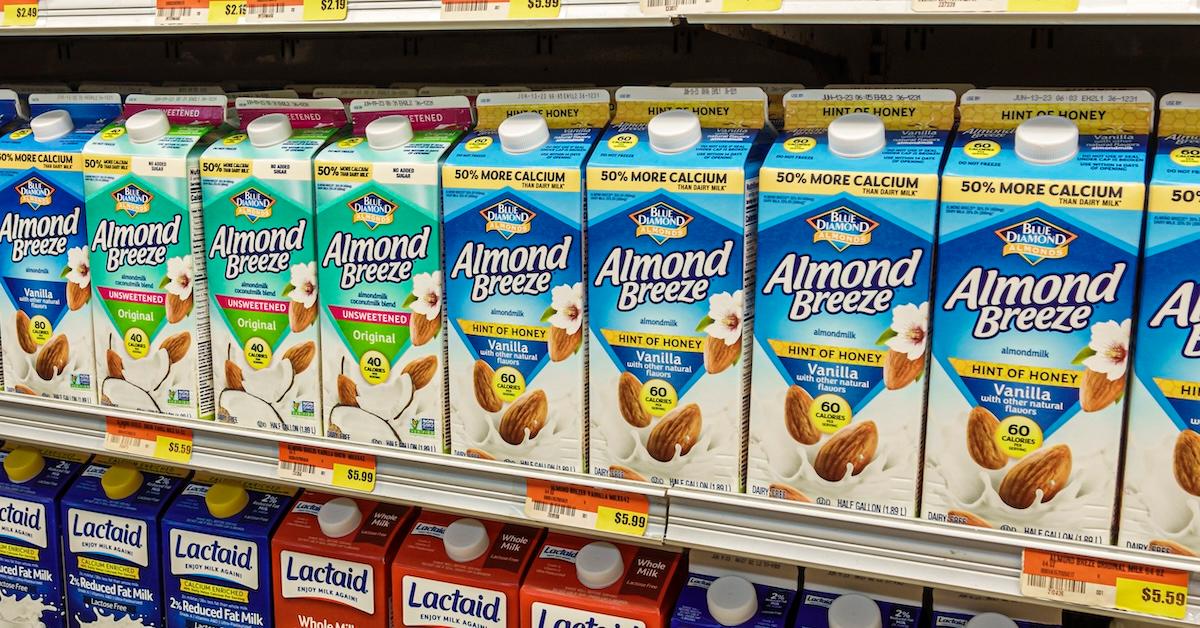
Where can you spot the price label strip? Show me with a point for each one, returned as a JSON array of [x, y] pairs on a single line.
[[332, 467], [149, 440], [500, 9], [586, 507], [266, 11], [19, 12], [995, 6], [184, 12], [1104, 583]]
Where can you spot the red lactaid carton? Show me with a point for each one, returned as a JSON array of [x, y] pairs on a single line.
[[331, 556], [458, 571], [580, 583]]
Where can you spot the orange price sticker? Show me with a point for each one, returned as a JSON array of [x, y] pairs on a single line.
[[587, 507], [19, 12], [1104, 583], [332, 467], [150, 440]]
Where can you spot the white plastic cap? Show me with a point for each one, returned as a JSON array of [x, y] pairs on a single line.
[[269, 130], [732, 600], [389, 132], [1047, 140], [339, 517], [147, 125], [854, 611], [857, 135], [523, 132], [598, 565], [51, 125], [465, 540], [674, 131], [991, 620]]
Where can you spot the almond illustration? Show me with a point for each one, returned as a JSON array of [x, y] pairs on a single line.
[[115, 365], [1187, 461], [301, 355], [625, 473], [24, 338], [526, 414], [962, 517], [300, 317], [423, 329], [233, 376], [852, 446], [563, 345], [981, 439], [484, 393], [783, 491], [25, 390], [629, 394], [177, 308], [719, 356], [421, 370], [899, 371], [1046, 470], [1098, 392], [678, 430], [77, 295], [480, 454], [177, 346], [796, 418], [347, 391], [1169, 547], [53, 358]]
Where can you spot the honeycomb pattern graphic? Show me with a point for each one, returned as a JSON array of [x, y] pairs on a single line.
[[1135, 119]]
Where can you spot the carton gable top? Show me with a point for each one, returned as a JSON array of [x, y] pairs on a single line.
[[383, 525], [647, 581], [1178, 151], [266, 507], [510, 548]]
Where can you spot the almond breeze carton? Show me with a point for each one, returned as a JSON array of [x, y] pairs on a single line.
[[379, 253], [847, 216], [46, 310], [142, 178], [259, 234], [672, 205], [1040, 225], [723, 590], [952, 609], [834, 600], [513, 198]]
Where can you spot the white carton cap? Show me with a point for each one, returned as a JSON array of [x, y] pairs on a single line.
[[389, 132], [857, 135], [51, 125], [338, 517], [147, 126], [854, 611], [674, 131], [269, 130], [523, 132], [598, 565], [732, 600], [991, 620], [465, 540], [1047, 140]]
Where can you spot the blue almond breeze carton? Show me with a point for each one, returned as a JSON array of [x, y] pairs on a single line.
[[111, 542], [1040, 226], [832, 600], [952, 609], [847, 217], [513, 197], [723, 590], [45, 311], [217, 552], [31, 579], [672, 208]]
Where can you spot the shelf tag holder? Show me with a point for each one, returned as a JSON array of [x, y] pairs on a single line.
[[1119, 585], [192, 12], [995, 6], [331, 467], [19, 12], [586, 507], [167, 443], [500, 9], [278, 11]]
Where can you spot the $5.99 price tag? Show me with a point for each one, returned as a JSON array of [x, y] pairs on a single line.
[[321, 465], [149, 440], [500, 9], [587, 507], [1104, 583], [19, 12]]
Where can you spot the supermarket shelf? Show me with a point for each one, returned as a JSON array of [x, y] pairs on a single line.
[[462, 485], [962, 558]]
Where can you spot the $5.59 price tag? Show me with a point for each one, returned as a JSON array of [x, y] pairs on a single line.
[[149, 440], [321, 465], [587, 507], [1104, 583], [19, 12]]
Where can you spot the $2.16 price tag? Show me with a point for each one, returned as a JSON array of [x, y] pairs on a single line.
[[150, 440], [1104, 583], [332, 467], [587, 507], [19, 12]]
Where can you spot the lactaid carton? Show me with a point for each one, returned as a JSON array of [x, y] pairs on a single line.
[[834, 600], [513, 197], [1040, 226], [723, 590], [952, 609], [672, 204]]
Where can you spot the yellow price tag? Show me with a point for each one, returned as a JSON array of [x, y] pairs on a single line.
[[327, 10], [226, 11], [533, 9], [354, 477], [1043, 6], [731, 6], [615, 520], [25, 14], [173, 449], [1152, 598]]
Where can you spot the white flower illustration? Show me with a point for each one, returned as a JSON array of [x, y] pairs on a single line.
[[78, 270], [911, 324], [726, 312], [567, 302], [427, 288], [304, 284], [1110, 341], [179, 272]]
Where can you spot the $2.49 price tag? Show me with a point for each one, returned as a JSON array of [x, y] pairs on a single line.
[[332, 467], [149, 440], [1104, 583], [19, 12], [587, 507]]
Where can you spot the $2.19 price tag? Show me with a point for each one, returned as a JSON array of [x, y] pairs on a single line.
[[19, 12], [332, 467], [587, 507], [1104, 583], [149, 440], [258, 11]]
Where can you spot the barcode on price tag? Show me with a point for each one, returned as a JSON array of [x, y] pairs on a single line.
[[258, 11], [183, 12], [149, 440], [587, 507], [332, 467], [474, 9], [1104, 583], [19, 12]]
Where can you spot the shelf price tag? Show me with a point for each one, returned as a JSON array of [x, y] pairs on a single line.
[[150, 440], [332, 467], [995, 6], [500, 9], [260, 11], [183, 12], [1104, 583], [587, 507], [19, 12]]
